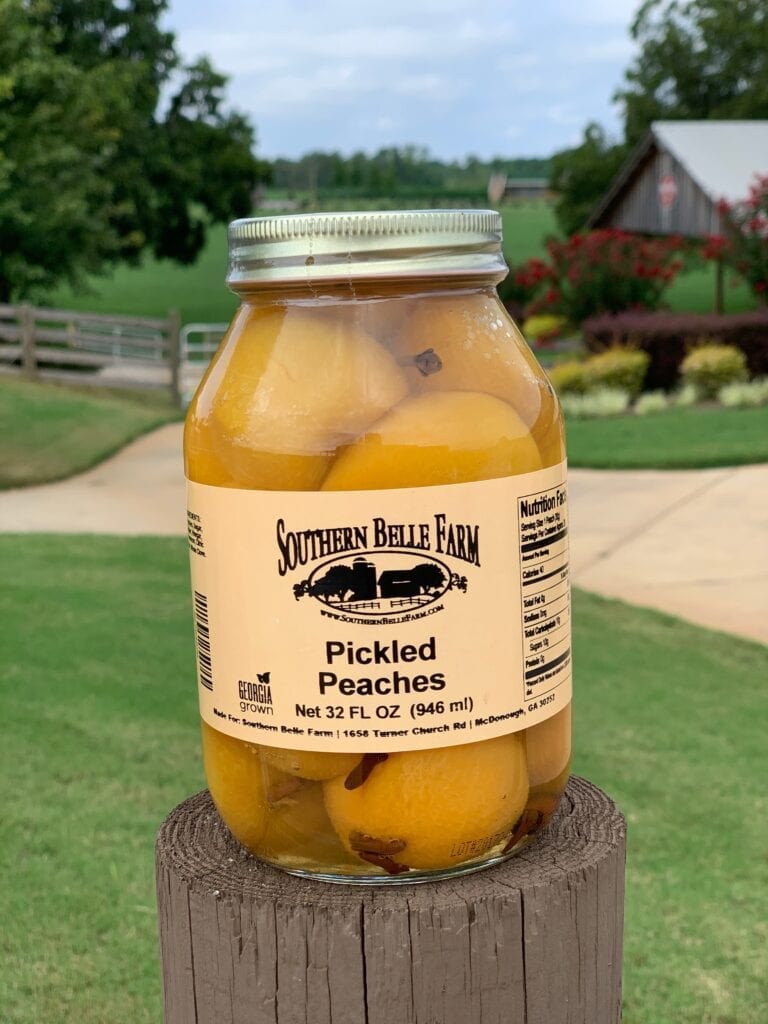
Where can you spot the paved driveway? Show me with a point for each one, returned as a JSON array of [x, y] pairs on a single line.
[[693, 543]]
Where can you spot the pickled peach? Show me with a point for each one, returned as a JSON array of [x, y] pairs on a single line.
[[432, 809], [477, 347], [295, 387], [309, 764], [548, 747], [466, 342], [298, 830], [438, 438], [237, 785], [542, 803], [201, 460]]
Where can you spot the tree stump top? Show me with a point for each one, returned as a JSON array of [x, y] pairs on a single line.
[[534, 940]]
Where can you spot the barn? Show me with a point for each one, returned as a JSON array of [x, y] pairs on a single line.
[[675, 179], [399, 583]]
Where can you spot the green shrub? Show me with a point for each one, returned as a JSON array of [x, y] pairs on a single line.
[[568, 378], [667, 337], [742, 395], [710, 366], [596, 404], [650, 402], [685, 397], [621, 369]]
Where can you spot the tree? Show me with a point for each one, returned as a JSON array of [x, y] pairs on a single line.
[[579, 176], [697, 59], [92, 170], [429, 577], [745, 244], [338, 582]]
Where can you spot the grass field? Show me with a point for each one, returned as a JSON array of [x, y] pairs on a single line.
[[100, 741], [51, 432], [676, 439], [199, 293]]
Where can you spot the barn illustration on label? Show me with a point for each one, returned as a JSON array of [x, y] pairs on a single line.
[[380, 583]]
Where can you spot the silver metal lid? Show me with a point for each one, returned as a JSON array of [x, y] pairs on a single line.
[[355, 246]]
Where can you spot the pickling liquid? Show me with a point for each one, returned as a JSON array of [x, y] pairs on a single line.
[[394, 387]]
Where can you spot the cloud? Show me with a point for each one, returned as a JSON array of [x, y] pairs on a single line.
[[518, 61], [598, 12], [512, 131], [341, 84], [429, 86], [252, 50], [563, 114], [616, 49]]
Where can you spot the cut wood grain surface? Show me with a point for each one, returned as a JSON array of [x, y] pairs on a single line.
[[535, 940]]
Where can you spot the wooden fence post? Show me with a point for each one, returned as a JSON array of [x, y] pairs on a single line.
[[174, 355], [536, 940], [27, 330]]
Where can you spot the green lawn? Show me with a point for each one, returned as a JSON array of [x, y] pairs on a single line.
[[676, 439], [50, 432], [694, 292], [199, 293], [100, 741]]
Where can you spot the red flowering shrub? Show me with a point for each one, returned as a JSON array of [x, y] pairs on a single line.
[[522, 284], [744, 247], [607, 272]]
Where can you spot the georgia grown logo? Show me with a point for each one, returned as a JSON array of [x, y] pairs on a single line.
[[381, 571]]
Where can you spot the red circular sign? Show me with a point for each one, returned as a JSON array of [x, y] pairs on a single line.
[[667, 191]]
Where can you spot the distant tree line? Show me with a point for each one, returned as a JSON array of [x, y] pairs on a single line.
[[396, 170]]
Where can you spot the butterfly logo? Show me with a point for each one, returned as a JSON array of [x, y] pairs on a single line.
[[263, 677]]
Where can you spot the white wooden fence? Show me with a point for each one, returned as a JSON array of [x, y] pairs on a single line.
[[198, 344], [91, 348]]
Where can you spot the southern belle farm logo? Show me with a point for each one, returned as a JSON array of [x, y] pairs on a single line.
[[380, 571]]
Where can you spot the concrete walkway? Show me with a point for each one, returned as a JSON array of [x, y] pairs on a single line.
[[692, 543]]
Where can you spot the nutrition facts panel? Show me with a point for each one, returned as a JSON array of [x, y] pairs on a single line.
[[546, 610]]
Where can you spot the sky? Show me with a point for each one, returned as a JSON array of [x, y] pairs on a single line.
[[515, 78]]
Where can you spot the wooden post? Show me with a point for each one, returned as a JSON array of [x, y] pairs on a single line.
[[536, 940], [174, 355], [27, 328]]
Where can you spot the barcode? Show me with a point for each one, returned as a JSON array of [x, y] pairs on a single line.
[[203, 634]]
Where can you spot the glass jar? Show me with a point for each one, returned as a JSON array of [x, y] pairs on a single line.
[[378, 538]]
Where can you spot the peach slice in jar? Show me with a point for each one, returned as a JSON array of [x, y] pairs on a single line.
[[432, 809], [467, 342], [299, 832], [296, 386], [548, 755], [548, 747], [437, 438], [309, 764], [236, 781]]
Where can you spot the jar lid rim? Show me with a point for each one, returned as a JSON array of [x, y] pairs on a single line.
[[365, 244]]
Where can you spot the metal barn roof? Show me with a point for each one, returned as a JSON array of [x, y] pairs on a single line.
[[719, 157]]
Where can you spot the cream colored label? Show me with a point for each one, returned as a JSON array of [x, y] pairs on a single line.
[[382, 620]]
